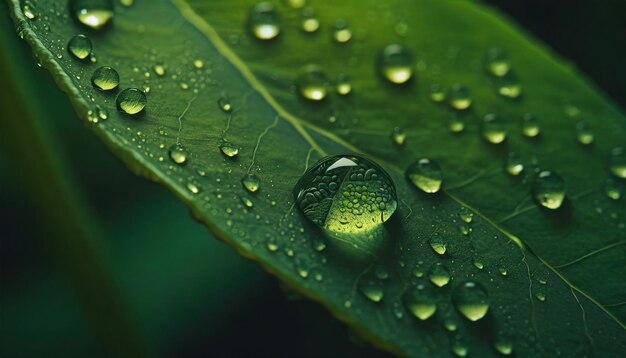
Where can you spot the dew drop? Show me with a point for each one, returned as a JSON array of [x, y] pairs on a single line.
[[131, 101], [617, 162], [296, 4], [224, 103], [80, 46], [426, 175], [395, 64], [478, 263], [548, 189], [466, 214], [105, 78], [509, 86], [341, 31], [493, 129], [584, 134], [372, 290], [503, 345], [29, 10], [312, 84], [349, 197], [459, 349], [310, 23], [198, 64], [457, 124], [193, 188], [612, 189], [92, 13], [514, 164], [420, 301], [439, 274], [450, 324], [229, 149], [470, 298], [264, 22], [540, 296], [344, 87], [497, 62], [251, 183], [459, 97], [159, 69], [437, 94], [530, 125], [398, 136], [438, 244], [178, 153]]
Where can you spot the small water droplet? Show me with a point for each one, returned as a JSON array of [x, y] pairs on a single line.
[[341, 31], [509, 86], [264, 22], [450, 324], [460, 97], [229, 149], [437, 94], [584, 134], [395, 64], [80, 46], [398, 312], [296, 4], [247, 202], [29, 10], [497, 62], [438, 244], [466, 214], [459, 349], [426, 175], [344, 87], [612, 189], [313, 84], [420, 301], [178, 153], [540, 296], [530, 125], [310, 23], [514, 164], [131, 101], [478, 263], [251, 183], [381, 272], [439, 274], [198, 64], [193, 188], [398, 136], [159, 69], [127, 3], [617, 162], [548, 189], [92, 13], [224, 103], [470, 298], [105, 78], [493, 129], [372, 290], [503, 345]]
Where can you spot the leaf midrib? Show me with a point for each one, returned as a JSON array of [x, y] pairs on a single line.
[[301, 125]]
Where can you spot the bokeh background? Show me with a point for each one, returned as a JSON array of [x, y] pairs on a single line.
[[149, 279]]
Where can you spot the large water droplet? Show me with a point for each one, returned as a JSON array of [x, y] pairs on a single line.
[[420, 301], [471, 299], [514, 164], [229, 149], [530, 125], [92, 13], [29, 10], [178, 153], [438, 244], [497, 62], [131, 101], [493, 129], [264, 22], [313, 84], [548, 189], [341, 31], [466, 214], [395, 64], [439, 274], [251, 183], [584, 134], [105, 78], [617, 162], [426, 175], [460, 97], [349, 197], [80, 46]]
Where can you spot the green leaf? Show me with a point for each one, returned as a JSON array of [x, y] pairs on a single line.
[[553, 277]]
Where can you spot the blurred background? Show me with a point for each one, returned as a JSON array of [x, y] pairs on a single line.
[[172, 289]]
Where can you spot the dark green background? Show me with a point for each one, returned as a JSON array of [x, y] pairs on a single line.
[[188, 294]]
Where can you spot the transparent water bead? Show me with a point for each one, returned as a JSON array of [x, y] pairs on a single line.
[[395, 64], [617, 162], [80, 46], [349, 197], [548, 189], [426, 175], [264, 21], [105, 78], [471, 299], [312, 84], [92, 13], [497, 62], [131, 101], [459, 98], [420, 301]]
